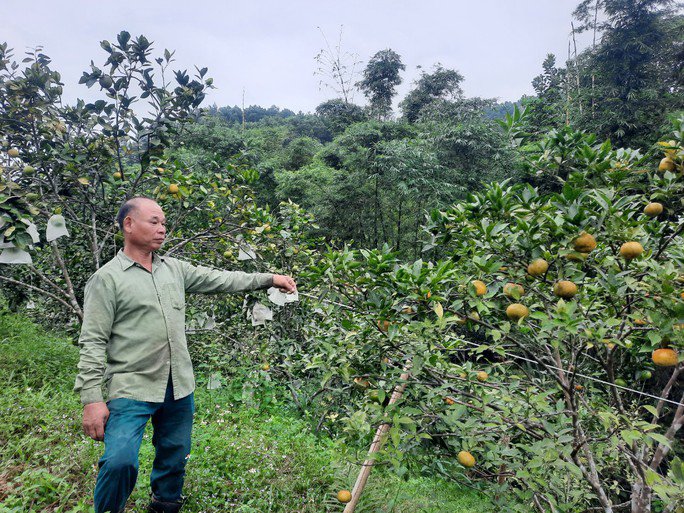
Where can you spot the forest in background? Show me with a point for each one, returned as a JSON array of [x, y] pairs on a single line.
[[369, 173]]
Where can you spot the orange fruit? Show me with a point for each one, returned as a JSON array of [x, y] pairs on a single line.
[[383, 325], [480, 287], [449, 401], [665, 357], [631, 250], [565, 289], [513, 290], [653, 209], [482, 376], [344, 496], [537, 267], [466, 459], [517, 311], [585, 243], [13, 152], [265, 367], [173, 189]]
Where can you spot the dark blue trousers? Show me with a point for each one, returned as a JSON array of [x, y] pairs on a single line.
[[172, 423]]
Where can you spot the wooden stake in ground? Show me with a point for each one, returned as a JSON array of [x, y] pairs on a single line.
[[378, 441]]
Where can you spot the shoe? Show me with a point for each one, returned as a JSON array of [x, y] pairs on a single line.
[[157, 506]]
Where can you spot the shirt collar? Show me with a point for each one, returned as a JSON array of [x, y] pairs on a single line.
[[127, 262]]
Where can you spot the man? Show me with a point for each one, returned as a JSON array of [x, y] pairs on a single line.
[[133, 340]]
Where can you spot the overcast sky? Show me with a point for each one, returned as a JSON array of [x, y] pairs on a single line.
[[267, 48]]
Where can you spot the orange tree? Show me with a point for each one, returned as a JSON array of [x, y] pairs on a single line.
[[561, 378], [65, 169]]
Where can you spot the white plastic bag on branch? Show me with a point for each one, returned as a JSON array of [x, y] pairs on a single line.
[[32, 230], [281, 298], [246, 254], [15, 256], [261, 314], [56, 228]]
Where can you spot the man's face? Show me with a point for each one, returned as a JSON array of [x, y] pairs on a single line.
[[145, 226]]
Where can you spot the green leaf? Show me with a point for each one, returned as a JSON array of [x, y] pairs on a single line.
[[660, 439]]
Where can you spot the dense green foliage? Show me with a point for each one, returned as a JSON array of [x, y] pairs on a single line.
[[250, 454]]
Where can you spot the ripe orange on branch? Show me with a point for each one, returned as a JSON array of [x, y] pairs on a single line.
[[466, 459], [565, 289], [631, 250], [653, 209], [514, 290], [517, 311], [173, 189], [537, 267], [480, 287], [482, 376], [585, 243], [13, 152], [665, 357]]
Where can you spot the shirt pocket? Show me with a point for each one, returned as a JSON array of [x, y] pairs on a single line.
[[173, 296]]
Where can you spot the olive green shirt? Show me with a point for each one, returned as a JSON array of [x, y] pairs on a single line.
[[133, 331]]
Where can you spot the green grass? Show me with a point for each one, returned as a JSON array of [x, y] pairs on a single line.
[[244, 459]]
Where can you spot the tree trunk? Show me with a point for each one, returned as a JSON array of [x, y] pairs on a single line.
[[641, 498]]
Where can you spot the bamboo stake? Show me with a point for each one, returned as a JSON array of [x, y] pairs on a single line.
[[378, 441]]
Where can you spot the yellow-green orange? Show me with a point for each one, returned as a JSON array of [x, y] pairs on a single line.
[[173, 188], [513, 290], [13, 152], [537, 267], [653, 209], [466, 459], [631, 250], [482, 376], [480, 287], [517, 311], [565, 289], [585, 243]]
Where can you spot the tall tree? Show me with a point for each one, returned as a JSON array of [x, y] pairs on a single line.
[[380, 78], [546, 110], [630, 77], [441, 84]]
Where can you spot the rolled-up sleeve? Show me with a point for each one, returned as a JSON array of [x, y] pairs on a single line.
[[211, 281], [98, 317]]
